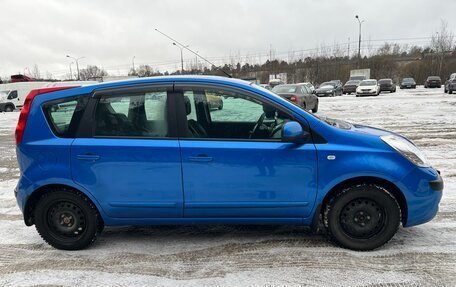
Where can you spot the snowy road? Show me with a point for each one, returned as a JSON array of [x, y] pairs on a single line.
[[253, 255]]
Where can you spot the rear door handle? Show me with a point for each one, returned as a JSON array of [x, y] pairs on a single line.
[[88, 157], [200, 158]]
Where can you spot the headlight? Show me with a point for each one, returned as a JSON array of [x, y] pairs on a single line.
[[407, 149]]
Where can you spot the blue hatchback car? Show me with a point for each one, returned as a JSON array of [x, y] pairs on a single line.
[[154, 151]]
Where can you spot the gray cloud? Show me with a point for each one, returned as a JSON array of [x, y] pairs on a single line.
[[110, 33]]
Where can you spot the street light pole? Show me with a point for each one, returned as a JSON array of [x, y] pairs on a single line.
[[71, 72], [182, 56], [359, 42], [77, 63], [133, 63]]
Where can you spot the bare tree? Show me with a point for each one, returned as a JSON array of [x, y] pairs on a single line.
[[442, 43], [36, 72], [92, 72]]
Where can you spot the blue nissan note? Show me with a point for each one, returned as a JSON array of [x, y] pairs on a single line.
[[159, 151]]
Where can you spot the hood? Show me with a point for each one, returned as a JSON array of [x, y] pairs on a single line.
[[325, 88], [368, 87], [369, 130]]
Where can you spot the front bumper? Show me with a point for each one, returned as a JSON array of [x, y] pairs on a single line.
[[424, 188], [350, 89], [324, 94], [366, 93], [408, 86]]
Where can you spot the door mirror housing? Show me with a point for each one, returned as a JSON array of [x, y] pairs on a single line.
[[292, 132]]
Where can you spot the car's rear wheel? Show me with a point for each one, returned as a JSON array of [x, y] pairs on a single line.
[[362, 217], [67, 220], [315, 109]]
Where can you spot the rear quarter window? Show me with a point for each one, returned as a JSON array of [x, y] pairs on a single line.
[[64, 115]]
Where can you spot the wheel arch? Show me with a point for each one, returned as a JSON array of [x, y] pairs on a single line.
[[388, 185], [33, 198]]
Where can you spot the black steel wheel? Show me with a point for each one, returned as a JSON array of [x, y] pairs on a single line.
[[66, 219], [362, 217]]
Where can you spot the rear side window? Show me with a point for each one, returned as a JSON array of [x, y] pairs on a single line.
[[64, 115], [132, 115]]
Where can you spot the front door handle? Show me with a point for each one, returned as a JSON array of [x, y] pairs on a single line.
[[200, 158], [88, 157]]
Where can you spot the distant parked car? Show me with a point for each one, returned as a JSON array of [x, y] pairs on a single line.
[[309, 85], [368, 88], [433, 82], [408, 83], [266, 86], [339, 85], [350, 86], [275, 82], [450, 84], [328, 89], [387, 85], [298, 94]]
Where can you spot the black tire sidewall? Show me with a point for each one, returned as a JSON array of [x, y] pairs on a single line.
[[383, 198], [90, 214]]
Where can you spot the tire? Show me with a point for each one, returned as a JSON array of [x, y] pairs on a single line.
[[9, 108], [67, 219], [444, 89], [450, 92], [362, 217], [220, 107], [315, 109]]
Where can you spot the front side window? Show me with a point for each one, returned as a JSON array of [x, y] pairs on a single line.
[[241, 116], [132, 115], [12, 95]]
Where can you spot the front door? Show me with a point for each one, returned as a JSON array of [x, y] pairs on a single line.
[[233, 160], [131, 163]]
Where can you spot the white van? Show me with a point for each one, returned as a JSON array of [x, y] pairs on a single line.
[[12, 95]]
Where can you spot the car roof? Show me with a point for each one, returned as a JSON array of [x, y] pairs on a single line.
[[87, 89]]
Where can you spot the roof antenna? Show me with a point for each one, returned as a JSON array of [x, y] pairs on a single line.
[[195, 53]]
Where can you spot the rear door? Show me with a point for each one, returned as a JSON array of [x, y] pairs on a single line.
[[127, 153]]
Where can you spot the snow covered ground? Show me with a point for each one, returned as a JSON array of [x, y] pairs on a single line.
[[253, 255]]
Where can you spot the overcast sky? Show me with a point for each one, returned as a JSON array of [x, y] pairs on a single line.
[[110, 33]]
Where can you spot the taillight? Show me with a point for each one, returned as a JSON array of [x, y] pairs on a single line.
[[20, 128], [294, 98]]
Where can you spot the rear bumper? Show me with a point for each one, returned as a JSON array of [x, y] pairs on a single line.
[[408, 87]]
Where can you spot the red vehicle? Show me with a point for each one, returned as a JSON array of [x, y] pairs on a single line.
[[21, 78]]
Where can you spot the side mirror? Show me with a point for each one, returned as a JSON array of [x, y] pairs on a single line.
[[292, 132], [314, 92]]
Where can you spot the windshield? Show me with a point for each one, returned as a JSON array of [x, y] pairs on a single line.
[[352, 83], [433, 78], [284, 89], [368, 83], [327, 84], [408, 80], [385, 81]]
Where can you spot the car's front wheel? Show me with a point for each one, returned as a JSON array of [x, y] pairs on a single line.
[[67, 220], [362, 217]]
